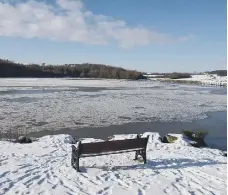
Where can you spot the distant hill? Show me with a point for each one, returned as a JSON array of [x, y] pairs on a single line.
[[87, 70]]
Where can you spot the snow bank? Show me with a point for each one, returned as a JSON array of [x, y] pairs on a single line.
[[43, 167], [208, 78]]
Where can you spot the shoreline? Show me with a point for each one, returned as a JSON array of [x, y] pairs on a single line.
[[213, 124]]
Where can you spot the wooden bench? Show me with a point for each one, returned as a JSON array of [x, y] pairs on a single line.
[[109, 147]]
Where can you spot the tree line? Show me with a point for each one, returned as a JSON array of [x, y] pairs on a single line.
[[172, 75], [219, 72], [86, 70]]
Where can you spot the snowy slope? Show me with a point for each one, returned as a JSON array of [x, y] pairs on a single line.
[[208, 78], [212, 79], [43, 167]]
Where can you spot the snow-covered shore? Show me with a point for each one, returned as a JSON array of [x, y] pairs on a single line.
[[212, 79], [43, 167], [206, 79]]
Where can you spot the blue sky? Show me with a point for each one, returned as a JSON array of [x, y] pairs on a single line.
[[148, 35]]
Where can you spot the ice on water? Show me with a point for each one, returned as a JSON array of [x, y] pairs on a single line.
[[52, 104]]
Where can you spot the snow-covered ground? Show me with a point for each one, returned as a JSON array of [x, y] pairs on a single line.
[[53, 104], [208, 78], [43, 167]]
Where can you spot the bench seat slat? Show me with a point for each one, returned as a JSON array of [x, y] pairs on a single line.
[[108, 146]]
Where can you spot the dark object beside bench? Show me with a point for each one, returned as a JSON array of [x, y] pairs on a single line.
[[109, 147]]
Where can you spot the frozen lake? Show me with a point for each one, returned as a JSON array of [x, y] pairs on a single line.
[[47, 105]]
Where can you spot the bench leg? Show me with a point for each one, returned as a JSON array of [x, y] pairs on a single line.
[[75, 160], [76, 165], [143, 153], [72, 160], [137, 153]]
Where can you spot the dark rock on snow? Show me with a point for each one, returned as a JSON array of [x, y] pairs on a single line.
[[224, 154], [24, 140], [168, 139]]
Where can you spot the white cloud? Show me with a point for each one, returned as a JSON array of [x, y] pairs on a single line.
[[69, 20]]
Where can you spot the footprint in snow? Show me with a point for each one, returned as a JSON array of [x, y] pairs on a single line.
[[103, 190], [141, 192], [4, 174]]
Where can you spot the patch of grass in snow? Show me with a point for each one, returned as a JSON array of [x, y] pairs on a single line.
[[199, 135], [196, 137], [171, 138]]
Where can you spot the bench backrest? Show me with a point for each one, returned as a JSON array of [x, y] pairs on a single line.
[[112, 146]]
